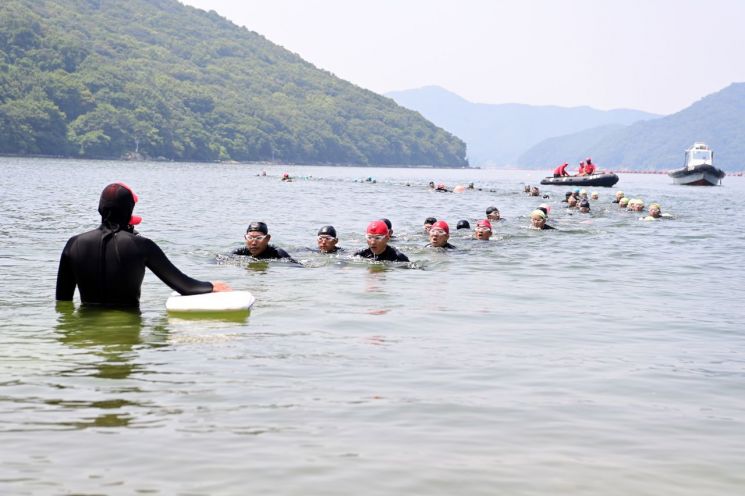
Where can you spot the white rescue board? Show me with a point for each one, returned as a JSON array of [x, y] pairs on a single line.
[[222, 301]]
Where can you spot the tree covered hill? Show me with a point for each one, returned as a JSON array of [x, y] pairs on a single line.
[[497, 134], [718, 120], [104, 78]]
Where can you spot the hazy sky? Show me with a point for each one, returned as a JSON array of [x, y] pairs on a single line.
[[653, 55]]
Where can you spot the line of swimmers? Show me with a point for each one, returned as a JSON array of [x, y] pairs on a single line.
[[107, 264]]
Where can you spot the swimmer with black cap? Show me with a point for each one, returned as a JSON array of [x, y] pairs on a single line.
[[462, 224], [327, 240], [428, 223], [257, 244], [492, 213], [107, 264], [584, 206], [377, 244]]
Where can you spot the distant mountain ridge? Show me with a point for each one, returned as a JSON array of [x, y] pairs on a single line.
[[155, 78], [497, 134], [717, 119]]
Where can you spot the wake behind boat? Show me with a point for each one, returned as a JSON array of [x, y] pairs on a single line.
[[699, 168], [604, 179]]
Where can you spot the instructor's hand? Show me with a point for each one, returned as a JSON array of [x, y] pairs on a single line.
[[218, 286]]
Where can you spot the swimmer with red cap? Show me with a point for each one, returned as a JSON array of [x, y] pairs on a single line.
[[378, 237], [107, 264], [483, 230], [439, 234]]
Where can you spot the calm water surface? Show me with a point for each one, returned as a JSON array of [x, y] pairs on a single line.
[[604, 358]]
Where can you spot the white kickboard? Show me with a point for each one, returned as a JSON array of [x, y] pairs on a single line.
[[223, 301]]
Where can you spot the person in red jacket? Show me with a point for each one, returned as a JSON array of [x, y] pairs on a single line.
[[589, 167], [561, 170], [581, 171]]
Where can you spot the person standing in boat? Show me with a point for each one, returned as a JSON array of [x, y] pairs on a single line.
[[561, 170]]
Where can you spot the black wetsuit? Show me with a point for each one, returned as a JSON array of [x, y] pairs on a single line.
[[546, 226], [447, 246], [390, 254], [337, 249], [270, 253], [108, 268]]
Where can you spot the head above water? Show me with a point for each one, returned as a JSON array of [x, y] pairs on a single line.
[[463, 224], [116, 205], [327, 231], [257, 227]]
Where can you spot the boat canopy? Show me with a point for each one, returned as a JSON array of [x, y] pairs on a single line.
[[699, 154]]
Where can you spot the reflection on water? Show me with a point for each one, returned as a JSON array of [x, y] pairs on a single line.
[[110, 335]]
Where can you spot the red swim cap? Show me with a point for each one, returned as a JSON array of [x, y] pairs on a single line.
[[484, 223], [441, 224], [377, 227]]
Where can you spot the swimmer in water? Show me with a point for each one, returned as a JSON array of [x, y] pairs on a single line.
[[572, 202], [389, 224], [327, 240], [584, 206], [636, 205], [439, 235], [286, 177], [107, 264], [463, 224], [655, 212], [594, 195], [377, 244], [619, 195], [538, 220], [567, 195], [257, 244], [492, 213], [440, 188], [623, 202], [428, 223], [483, 230]]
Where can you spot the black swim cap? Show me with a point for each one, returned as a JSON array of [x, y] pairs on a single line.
[[584, 203], [257, 227], [491, 209], [430, 220], [387, 223], [116, 204], [328, 230], [463, 224]]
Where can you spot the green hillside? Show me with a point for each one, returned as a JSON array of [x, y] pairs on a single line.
[[718, 120], [106, 78]]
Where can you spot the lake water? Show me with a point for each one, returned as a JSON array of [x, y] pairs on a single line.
[[606, 357]]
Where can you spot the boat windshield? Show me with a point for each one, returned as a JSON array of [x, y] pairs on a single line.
[[701, 155]]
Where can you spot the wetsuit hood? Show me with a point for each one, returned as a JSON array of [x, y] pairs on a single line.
[[115, 206]]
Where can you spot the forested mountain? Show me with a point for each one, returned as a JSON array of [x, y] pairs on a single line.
[[718, 120], [497, 134], [105, 78]]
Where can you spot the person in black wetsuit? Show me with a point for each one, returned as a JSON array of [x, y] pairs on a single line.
[[377, 244], [439, 235], [108, 264], [257, 244], [327, 240]]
